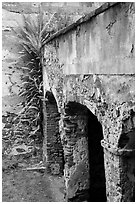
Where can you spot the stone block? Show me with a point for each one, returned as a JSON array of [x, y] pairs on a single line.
[[79, 180], [55, 169]]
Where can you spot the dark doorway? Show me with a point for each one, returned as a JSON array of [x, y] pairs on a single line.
[[97, 191], [95, 159]]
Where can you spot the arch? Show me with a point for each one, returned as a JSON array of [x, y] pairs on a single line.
[[84, 160], [52, 146], [96, 160]]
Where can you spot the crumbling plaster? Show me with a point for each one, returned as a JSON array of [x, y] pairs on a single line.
[[64, 14], [94, 66], [11, 75], [103, 45], [11, 61]]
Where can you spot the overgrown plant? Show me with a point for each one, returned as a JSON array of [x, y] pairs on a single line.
[[31, 38]]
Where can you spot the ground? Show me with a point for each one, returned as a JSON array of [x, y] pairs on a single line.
[[20, 185]]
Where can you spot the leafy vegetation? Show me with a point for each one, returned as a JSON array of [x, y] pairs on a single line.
[[31, 38]]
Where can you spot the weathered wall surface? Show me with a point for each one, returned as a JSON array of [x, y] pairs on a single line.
[[111, 99], [74, 139], [103, 45], [11, 63], [52, 146], [11, 83], [15, 131], [105, 97], [81, 136], [79, 8], [12, 12], [65, 12], [96, 69]]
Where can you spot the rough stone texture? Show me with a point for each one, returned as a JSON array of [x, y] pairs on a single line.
[[112, 106], [76, 154], [53, 76], [12, 135], [11, 83], [11, 63], [79, 8], [65, 13], [108, 46], [82, 20], [12, 12], [83, 154], [99, 74], [52, 147], [12, 103]]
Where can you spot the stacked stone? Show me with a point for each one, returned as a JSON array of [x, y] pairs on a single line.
[[75, 146], [14, 133], [7, 132], [54, 146], [69, 128], [119, 149]]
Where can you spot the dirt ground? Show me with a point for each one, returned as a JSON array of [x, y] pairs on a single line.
[[20, 185]]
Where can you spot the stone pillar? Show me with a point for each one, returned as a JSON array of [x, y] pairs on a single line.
[[75, 144], [119, 158], [119, 175]]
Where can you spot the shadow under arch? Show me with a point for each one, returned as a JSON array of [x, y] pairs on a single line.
[[97, 191], [94, 134]]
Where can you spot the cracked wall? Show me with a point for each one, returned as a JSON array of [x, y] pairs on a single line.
[[93, 65], [11, 63], [11, 84], [11, 79], [12, 12], [104, 97], [102, 45]]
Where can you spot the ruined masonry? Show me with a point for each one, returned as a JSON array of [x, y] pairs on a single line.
[[89, 105]]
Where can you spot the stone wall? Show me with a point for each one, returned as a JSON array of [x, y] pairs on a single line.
[[75, 143], [52, 147], [12, 73], [84, 163], [11, 83], [111, 99], [108, 46], [111, 106], [106, 87]]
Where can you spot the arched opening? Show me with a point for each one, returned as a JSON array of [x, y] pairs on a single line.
[[97, 191], [52, 146], [83, 155]]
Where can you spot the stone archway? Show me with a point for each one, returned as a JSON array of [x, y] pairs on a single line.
[[96, 160], [52, 147], [84, 161]]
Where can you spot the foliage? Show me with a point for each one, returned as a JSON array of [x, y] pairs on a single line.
[[31, 37]]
